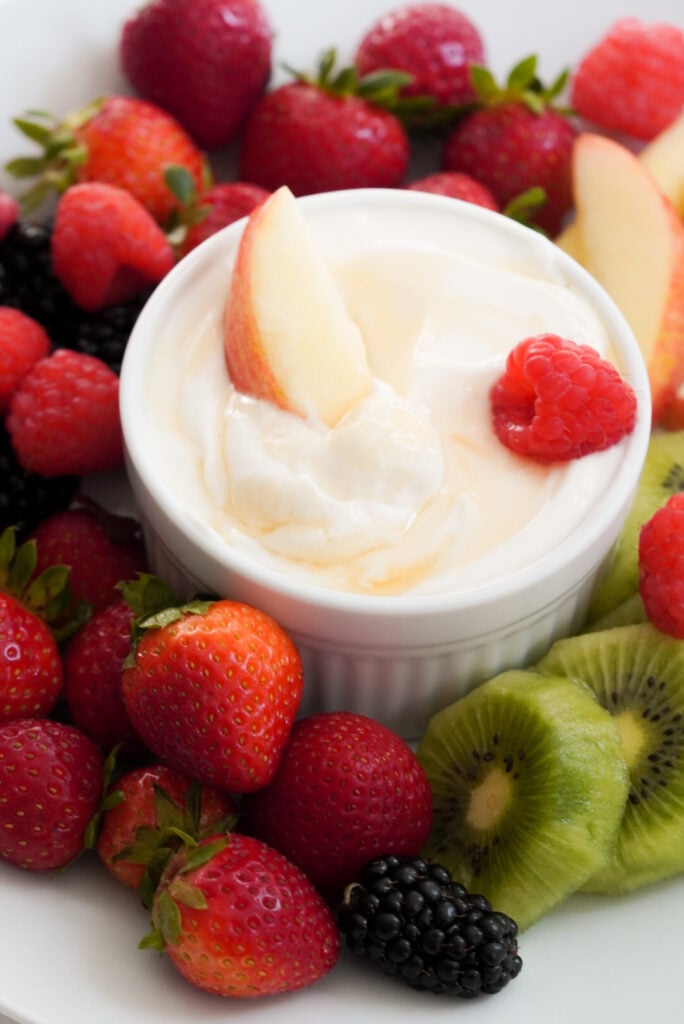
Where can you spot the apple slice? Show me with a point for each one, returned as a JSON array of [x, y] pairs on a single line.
[[288, 337], [632, 241], [664, 158]]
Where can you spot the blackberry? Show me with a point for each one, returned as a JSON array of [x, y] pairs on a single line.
[[28, 498], [28, 284], [414, 921]]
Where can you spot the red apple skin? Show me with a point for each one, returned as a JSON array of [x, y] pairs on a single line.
[[246, 360]]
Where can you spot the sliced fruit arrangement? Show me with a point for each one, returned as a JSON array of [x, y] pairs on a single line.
[[637, 675], [539, 783], [529, 786]]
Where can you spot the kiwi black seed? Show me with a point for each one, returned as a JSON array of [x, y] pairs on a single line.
[[637, 674], [661, 477], [529, 787]]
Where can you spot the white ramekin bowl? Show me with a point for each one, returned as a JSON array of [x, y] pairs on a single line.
[[401, 658]]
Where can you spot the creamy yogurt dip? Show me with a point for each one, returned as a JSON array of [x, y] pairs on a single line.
[[411, 492]]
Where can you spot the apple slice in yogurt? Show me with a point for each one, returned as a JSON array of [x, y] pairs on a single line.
[[288, 336]]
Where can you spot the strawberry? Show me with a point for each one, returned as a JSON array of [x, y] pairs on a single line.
[[30, 664], [106, 247], [515, 141], [433, 42], [9, 212], [347, 789], [218, 207], [323, 133], [632, 80], [22, 343], [30, 603], [206, 62], [456, 186], [119, 140], [93, 663], [100, 548], [237, 919], [213, 688], [154, 806], [64, 416], [51, 779]]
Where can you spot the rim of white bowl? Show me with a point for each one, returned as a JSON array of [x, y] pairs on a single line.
[[487, 592]]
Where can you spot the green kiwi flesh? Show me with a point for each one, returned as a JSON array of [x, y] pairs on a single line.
[[638, 675], [661, 477], [529, 787]]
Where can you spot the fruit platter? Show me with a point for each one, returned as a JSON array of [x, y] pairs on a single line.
[[591, 925]]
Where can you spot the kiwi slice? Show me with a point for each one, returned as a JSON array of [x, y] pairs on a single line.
[[529, 787], [628, 613], [661, 477], [637, 674]]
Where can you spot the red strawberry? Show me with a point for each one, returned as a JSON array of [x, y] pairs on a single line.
[[100, 548], [51, 779], [632, 80], [323, 134], [93, 664], [434, 43], [30, 664], [515, 141], [218, 207], [206, 62], [154, 803], [120, 141], [456, 186], [9, 212], [64, 416], [214, 692], [239, 920], [23, 342], [347, 789], [106, 248]]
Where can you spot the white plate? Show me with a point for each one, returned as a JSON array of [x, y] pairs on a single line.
[[68, 944]]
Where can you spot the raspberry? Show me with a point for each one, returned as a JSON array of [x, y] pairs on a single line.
[[661, 567], [457, 186], [558, 400], [106, 247], [64, 416], [22, 343], [632, 81]]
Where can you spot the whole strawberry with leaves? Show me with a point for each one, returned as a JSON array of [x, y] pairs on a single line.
[[154, 810], [100, 547], [206, 62], [329, 131], [515, 140], [116, 140], [31, 673], [239, 920], [212, 687]]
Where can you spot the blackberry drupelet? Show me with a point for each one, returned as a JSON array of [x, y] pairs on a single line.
[[27, 283], [27, 498], [410, 917]]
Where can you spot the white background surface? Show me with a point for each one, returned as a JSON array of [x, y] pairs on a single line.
[[68, 945]]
